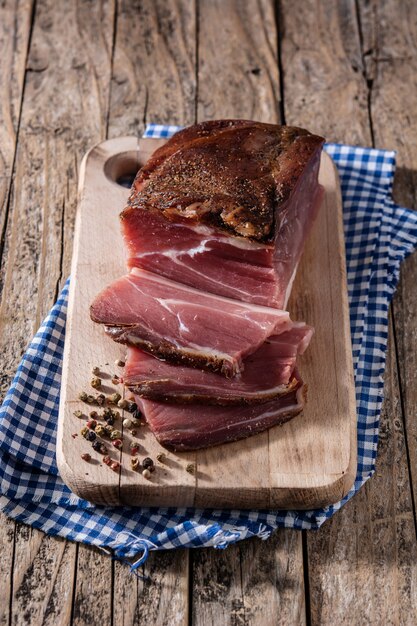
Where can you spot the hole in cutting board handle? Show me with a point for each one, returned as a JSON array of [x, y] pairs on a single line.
[[122, 168]]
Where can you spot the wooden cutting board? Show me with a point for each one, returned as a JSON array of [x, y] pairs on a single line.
[[308, 462]]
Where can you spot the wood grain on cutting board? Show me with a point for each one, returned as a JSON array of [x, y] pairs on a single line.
[[310, 461]]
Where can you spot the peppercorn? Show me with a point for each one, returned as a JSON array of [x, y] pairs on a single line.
[[78, 413], [161, 457], [98, 446], [108, 429], [190, 468], [83, 396], [109, 419], [135, 464], [92, 424], [115, 434], [86, 456], [132, 407], [91, 435], [133, 432], [119, 363], [101, 399], [117, 443], [95, 382], [115, 466], [136, 414], [115, 380], [146, 474], [127, 423], [93, 414], [91, 399], [107, 460], [96, 370], [84, 431], [114, 398], [147, 463], [122, 404], [100, 430]]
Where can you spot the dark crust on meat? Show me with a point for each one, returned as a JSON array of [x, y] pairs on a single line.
[[148, 390], [235, 175], [167, 351]]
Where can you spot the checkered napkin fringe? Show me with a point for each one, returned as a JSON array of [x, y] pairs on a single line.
[[379, 235]]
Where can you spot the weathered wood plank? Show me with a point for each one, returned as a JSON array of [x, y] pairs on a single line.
[[153, 80], [358, 556], [42, 579], [15, 24], [237, 61], [64, 111], [7, 534], [92, 602], [158, 596], [238, 77], [252, 583], [153, 76], [362, 563], [323, 86], [388, 32]]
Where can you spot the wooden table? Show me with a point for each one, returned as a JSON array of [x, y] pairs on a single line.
[[75, 72]]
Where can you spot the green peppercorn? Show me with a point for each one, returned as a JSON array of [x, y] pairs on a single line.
[[84, 432], [190, 468], [135, 464], [95, 382], [96, 370], [161, 457], [114, 398], [116, 434], [78, 413], [83, 396], [100, 431], [91, 399]]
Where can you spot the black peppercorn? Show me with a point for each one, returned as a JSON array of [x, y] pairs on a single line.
[[147, 463], [137, 415], [91, 435]]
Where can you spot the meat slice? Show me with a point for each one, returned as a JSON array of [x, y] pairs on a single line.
[[190, 427], [225, 206], [268, 374], [184, 325]]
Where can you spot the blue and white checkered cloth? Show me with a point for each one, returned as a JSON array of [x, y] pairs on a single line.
[[379, 235]]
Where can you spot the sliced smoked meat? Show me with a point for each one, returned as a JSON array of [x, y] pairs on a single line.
[[190, 427], [268, 373], [184, 325]]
